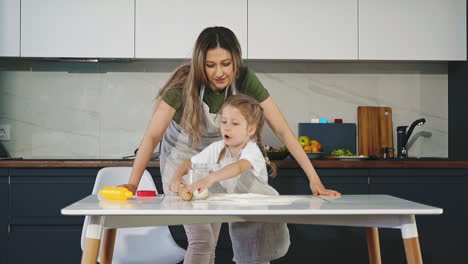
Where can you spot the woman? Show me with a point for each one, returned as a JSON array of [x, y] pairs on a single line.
[[186, 120]]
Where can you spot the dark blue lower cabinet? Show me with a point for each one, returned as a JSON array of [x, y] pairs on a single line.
[[3, 215], [45, 244], [39, 233], [321, 244], [443, 238], [325, 244], [346, 181]]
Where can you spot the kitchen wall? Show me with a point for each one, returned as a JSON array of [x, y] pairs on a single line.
[[100, 110]]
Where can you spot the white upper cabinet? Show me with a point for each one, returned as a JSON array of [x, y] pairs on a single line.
[[412, 30], [9, 28], [169, 29], [77, 28], [297, 29], [266, 29]]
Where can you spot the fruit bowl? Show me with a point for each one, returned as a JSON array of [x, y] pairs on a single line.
[[279, 155], [314, 155]]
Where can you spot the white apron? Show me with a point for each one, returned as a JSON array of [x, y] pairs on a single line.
[[254, 242], [273, 239], [175, 145]]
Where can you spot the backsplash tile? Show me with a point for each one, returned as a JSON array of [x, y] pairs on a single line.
[[101, 110]]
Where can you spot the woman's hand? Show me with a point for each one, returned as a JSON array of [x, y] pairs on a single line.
[[175, 183], [319, 189], [129, 187], [201, 185]]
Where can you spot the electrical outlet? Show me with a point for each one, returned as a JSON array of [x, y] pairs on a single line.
[[4, 132]]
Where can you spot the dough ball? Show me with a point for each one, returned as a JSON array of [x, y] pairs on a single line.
[[186, 196], [202, 195]]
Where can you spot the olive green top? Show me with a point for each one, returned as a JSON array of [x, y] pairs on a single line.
[[247, 83]]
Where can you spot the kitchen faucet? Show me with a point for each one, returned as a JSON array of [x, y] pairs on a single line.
[[403, 136]]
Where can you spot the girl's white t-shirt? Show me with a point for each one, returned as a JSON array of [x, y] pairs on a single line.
[[251, 152]]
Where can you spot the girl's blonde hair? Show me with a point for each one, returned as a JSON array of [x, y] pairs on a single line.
[[253, 113], [192, 76]]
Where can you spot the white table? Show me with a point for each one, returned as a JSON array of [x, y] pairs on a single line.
[[371, 211]]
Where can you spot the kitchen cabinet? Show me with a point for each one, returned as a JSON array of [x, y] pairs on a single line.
[[322, 242], [40, 234], [36, 197], [4, 215], [169, 29], [442, 238], [347, 181], [77, 28], [45, 244], [297, 30], [9, 28], [412, 30], [315, 29]]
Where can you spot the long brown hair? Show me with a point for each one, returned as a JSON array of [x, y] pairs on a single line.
[[192, 77], [253, 113]]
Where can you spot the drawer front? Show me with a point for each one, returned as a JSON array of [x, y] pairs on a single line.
[[45, 244], [44, 192]]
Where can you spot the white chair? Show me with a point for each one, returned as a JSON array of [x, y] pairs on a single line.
[[137, 244]]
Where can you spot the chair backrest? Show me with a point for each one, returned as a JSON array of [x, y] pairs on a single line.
[[140, 244]]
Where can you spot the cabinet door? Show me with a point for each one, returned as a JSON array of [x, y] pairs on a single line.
[[4, 208], [37, 226], [324, 240], [443, 238], [77, 28], [169, 29], [45, 244], [314, 29], [412, 30], [346, 181], [9, 28], [38, 195]]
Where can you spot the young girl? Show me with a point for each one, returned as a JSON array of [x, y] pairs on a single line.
[[240, 168]]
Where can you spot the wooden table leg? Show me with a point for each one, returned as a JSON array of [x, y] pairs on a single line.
[[373, 245], [409, 233], [108, 242], [93, 240], [412, 250]]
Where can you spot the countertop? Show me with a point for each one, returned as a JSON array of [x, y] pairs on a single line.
[[290, 164]]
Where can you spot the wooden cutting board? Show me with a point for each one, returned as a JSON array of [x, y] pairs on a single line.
[[375, 130]]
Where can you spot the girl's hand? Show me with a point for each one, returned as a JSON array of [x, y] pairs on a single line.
[[201, 185], [129, 187], [319, 189], [175, 183]]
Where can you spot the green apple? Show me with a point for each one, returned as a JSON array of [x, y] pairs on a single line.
[[304, 141]]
